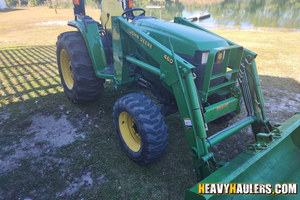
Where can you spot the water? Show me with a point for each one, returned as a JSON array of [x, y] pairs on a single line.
[[278, 15]]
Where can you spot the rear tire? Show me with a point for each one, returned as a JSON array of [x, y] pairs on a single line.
[[76, 71], [140, 128]]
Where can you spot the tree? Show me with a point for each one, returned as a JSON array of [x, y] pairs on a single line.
[[10, 3], [97, 2]]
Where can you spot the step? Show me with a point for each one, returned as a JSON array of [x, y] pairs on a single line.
[[217, 87], [222, 74]]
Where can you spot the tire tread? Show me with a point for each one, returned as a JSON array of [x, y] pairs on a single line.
[[152, 122], [87, 86]]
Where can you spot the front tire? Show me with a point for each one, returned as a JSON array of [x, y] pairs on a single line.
[[76, 71], [140, 128]]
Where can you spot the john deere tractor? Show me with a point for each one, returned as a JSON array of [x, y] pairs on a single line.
[[189, 70]]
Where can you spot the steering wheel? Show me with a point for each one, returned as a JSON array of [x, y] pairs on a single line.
[[131, 15]]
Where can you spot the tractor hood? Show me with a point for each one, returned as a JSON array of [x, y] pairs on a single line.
[[185, 40]]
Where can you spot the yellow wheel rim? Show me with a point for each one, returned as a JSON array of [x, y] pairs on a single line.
[[129, 132], [66, 69]]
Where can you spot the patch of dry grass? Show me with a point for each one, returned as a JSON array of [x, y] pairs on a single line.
[[278, 57], [21, 27]]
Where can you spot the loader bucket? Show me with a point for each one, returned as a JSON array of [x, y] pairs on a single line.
[[279, 163]]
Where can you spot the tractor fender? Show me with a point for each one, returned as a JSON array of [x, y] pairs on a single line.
[[89, 30]]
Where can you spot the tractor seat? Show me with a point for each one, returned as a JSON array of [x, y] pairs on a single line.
[[114, 8]]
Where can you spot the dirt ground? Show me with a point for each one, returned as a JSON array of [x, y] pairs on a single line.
[[45, 132]]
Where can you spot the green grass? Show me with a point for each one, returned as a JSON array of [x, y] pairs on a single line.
[[30, 86]]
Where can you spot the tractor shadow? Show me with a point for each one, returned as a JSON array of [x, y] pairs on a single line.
[[27, 73]]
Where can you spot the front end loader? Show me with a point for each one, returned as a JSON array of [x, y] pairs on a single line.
[[189, 70]]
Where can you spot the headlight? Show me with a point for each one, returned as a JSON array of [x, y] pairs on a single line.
[[219, 57], [204, 57], [201, 57]]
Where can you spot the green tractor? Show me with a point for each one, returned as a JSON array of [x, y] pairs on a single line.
[[189, 70]]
